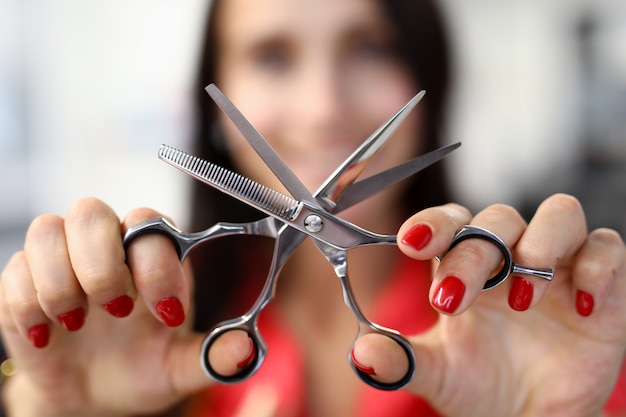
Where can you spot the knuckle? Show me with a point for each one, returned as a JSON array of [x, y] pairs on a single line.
[[155, 271], [17, 262], [608, 236], [58, 297], [613, 249], [141, 214], [87, 209], [564, 203], [22, 307], [504, 213], [43, 226], [504, 209], [99, 283], [454, 210]]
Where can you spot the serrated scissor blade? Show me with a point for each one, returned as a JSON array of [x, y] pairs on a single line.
[[244, 189]]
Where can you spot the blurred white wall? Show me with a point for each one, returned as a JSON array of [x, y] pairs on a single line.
[[13, 170], [88, 92], [90, 89], [522, 99], [107, 83]]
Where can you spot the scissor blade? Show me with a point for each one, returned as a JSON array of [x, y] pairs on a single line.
[[305, 217], [262, 148], [330, 192], [369, 186], [250, 192]]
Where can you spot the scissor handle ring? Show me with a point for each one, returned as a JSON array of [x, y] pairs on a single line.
[[475, 232], [162, 226], [258, 344], [408, 350]]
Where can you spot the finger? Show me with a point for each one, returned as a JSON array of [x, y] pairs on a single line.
[[22, 315], [386, 362], [380, 357], [554, 235], [231, 352], [596, 272], [158, 274], [97, 256], [183, 364], [58, 290], [428, 233], [463, 271]]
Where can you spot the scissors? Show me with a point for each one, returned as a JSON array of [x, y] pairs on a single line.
[[291, 219]]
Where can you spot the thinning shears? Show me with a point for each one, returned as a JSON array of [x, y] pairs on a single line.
[[290, 219]]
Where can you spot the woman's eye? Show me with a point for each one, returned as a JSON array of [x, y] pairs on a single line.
[[369, 49], [272, 58]]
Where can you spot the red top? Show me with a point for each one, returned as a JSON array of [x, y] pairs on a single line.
[[279, 380]]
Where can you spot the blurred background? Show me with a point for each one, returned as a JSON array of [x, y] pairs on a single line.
[[89, 90]]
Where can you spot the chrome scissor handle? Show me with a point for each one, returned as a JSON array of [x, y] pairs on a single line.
[[287, 240], [248, 324], [339, 261], [508, 267], [367, 327], [185, 242], [182, 242]]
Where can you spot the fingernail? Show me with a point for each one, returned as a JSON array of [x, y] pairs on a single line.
[[521, 294], [448, 296], [248, 359], [584, 303], [418, 236], [39, 335], [365, 369], [171, 311], [73, 320], [120, 307]]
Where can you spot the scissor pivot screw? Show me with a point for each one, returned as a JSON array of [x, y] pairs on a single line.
[[313, 223]]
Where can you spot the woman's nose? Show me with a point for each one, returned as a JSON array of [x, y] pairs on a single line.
[[323, 99]]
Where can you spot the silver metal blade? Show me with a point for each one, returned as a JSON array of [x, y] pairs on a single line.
[[332, 189], [310, 219], [369, 186], [233, 184], [262, 148]]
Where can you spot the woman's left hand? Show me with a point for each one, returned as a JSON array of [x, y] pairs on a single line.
[[530, 346]]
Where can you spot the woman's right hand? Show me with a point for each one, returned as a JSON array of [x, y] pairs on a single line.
[[94, 330]]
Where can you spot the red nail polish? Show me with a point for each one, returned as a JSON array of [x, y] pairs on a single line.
[[521, 294], [448, 296], [39, 335], [418, 236], [171, 311], [584, 303], [120, 307], [366, 369], [248, 359], [73, 320]]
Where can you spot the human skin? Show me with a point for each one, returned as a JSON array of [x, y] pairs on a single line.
[[550, 359]]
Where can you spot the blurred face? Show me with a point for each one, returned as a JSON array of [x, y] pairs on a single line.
[[316, 78]]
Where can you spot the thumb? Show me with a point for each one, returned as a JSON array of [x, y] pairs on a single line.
[[228, 355], [386, 361]]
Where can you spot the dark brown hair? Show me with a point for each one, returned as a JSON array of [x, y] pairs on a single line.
[[220, 266]]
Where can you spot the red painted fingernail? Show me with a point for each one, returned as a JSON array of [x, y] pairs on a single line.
[[120, 307], [448, 296], [171, 311], [73, 320], [248, 359], [418, 236], [39, 335], [521, 294], [366, 369], [584, 303]]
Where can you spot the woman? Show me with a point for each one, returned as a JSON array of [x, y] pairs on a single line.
[[95, 335]]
